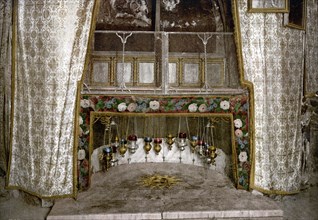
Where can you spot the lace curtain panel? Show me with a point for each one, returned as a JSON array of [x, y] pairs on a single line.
[[5, 80], [273, 62], [51, 43]]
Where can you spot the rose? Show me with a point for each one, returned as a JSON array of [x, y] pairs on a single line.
[[122, 107], [193, 107], [81, 154], [238, 123], [132, 107], [154, 105], [203, 108], [243, 156], [246, 166], [85, 103], [238, 133], [80, 120], [225, 105]]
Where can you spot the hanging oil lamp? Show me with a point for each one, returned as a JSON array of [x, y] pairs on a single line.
[[157, 145], [123, 147], [114, 149], [200, 147], [132, 145], [169, 141], [212, 154], [182, 141], [107, 157], [194, 142], [147, 146]]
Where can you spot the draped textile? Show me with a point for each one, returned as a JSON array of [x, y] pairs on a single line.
[[5, 79], [311, 80], [51, 44], [273, 62]]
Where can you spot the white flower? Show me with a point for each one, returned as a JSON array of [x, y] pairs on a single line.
[[225, 105], [85, 103], [238, 133], [238, 123], [132, 107], [243, 156], [193, 107], [81, 154], [122, 107], [203, 108], [80, 120], [81, 132], [154, 105]]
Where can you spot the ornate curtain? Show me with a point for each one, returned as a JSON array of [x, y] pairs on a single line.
[[51, 42], [311, 80], [273, 62], [5, 80]]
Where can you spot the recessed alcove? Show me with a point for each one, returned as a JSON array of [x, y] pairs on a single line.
[[169, 52]]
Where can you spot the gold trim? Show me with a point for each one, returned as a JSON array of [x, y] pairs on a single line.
[[13, 69], [278, 192], [267, 10]]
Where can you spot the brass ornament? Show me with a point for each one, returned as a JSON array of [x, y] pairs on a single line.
[[157, 181]]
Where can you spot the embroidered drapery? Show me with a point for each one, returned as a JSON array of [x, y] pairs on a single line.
[[273, 62], [51, 43], [5, 80]]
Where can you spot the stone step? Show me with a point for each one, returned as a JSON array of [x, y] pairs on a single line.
[[164, 191]]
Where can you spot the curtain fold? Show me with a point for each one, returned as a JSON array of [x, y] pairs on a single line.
[[311, 80], [5, 80], [51, 44], [273, 62]]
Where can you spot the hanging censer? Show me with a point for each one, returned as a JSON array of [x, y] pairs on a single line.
[[157, 145]]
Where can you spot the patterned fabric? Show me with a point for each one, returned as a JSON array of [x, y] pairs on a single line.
[[5, 79], [273, 62], [312, 47], [52, 39]]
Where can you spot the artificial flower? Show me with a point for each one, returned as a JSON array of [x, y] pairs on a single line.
[[225, 105], [154, 105], [193, 107], [238, 123], [243, 156], [132, 107], [81, 154], [85, 103], [203, 108], [238, 133], [122, 107], [80, 120]]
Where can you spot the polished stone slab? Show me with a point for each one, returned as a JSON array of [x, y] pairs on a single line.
[[202, 193]]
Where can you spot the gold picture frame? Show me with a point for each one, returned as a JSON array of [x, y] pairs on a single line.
[[215, 72], [101, 71], [146, 71], [128, 71], [296, 18], [267, 6], [191, 72]]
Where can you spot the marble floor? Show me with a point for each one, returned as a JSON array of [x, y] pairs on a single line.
[[164, 191]]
